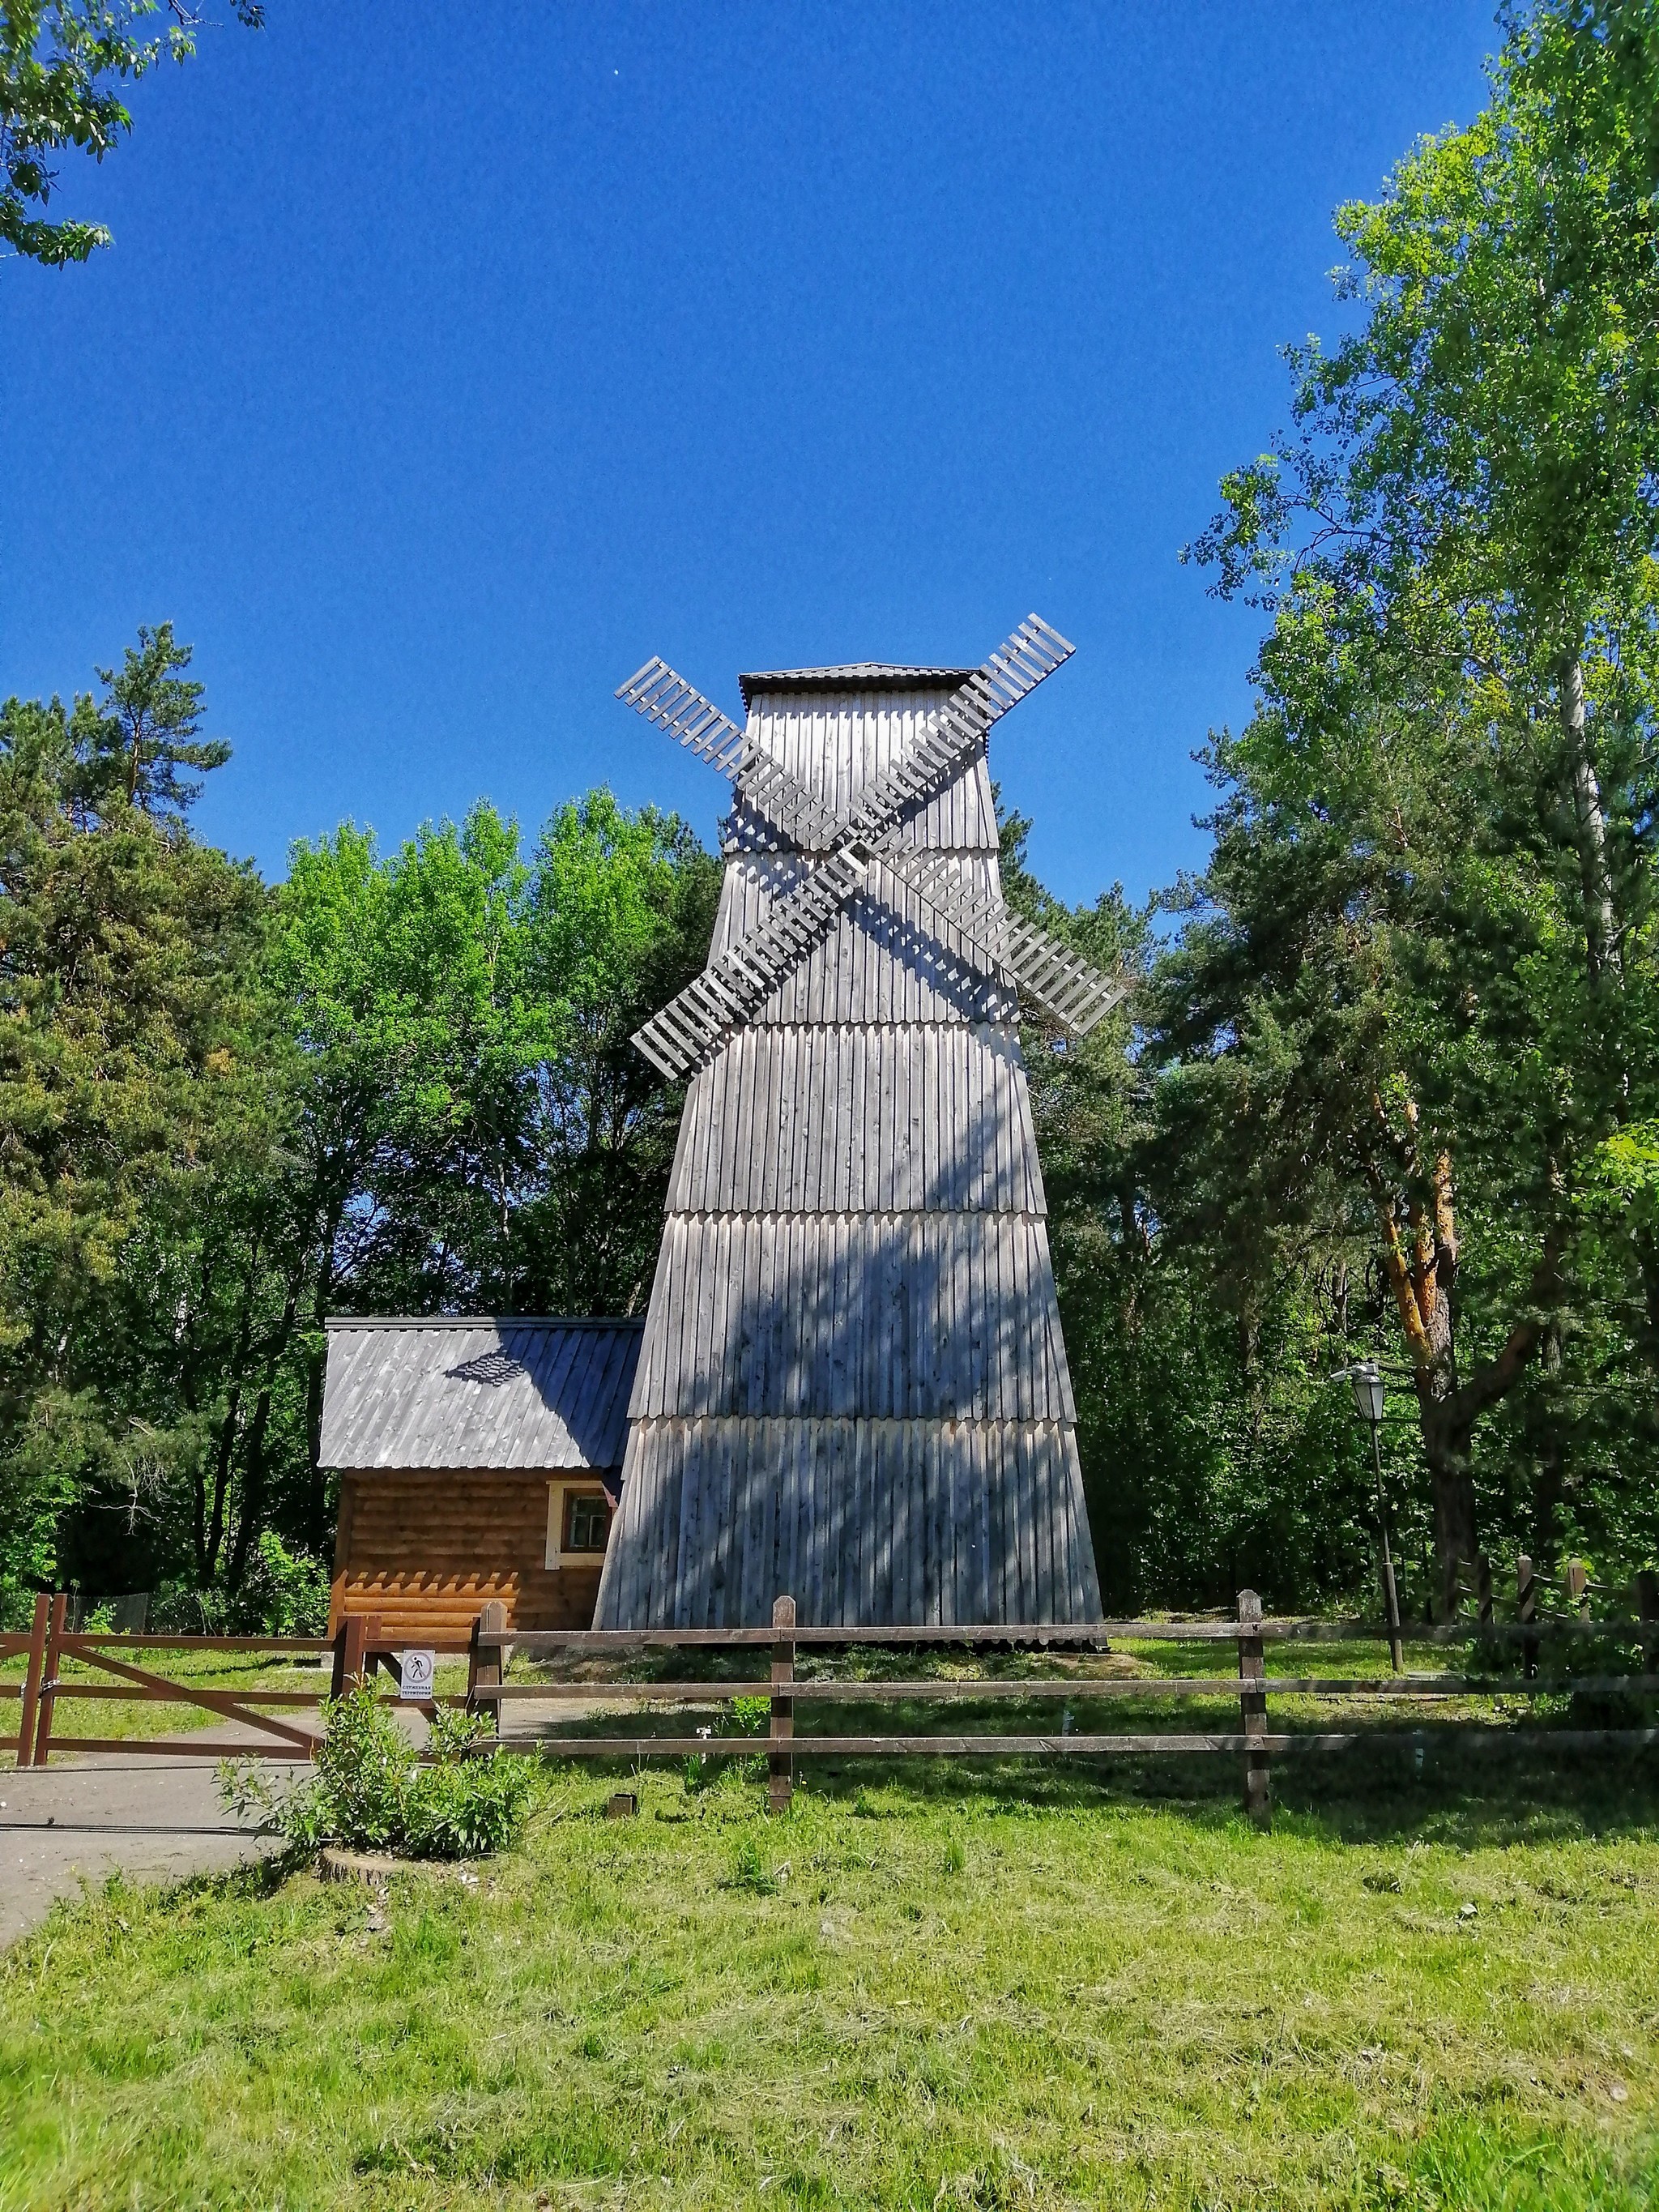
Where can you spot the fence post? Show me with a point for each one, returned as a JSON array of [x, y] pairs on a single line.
[[348, 1641], [1526, 1597], [1482, 1588], [483, 1666], [32, 1680], [1578, 1587], [54, 1660], [1252, 1706], [343, 1640], [780, 1762]]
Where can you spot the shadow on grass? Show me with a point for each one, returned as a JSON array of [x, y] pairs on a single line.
[[1359, 1798], [1421, 1772], [1404, 1784]]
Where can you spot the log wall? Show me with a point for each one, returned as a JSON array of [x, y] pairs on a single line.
[[426, 1552]]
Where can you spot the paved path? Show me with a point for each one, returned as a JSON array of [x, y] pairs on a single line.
[[156, 1818]]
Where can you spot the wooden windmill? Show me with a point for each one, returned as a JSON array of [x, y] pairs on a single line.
[[852, 1387]]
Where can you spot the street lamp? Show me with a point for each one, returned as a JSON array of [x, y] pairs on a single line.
[[1364, 1378]]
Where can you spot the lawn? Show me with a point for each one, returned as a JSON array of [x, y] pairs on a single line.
[[1013, 1987]]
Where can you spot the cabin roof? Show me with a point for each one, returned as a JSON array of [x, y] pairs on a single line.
[[477, 1391], [853, 676]]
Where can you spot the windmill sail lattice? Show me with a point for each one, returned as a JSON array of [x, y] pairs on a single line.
[[684, 1032], [852, 1385]]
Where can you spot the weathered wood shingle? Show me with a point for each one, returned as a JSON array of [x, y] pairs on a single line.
[[853, 1386]]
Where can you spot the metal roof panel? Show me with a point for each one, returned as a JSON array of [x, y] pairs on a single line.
[[853, 676], [477, 1392]]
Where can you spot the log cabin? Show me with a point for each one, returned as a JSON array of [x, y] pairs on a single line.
[[477, 1459]]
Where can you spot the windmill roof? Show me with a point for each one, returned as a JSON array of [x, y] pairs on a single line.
[[854, 676], [478, 1391]]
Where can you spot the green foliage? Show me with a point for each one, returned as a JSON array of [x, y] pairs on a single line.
[[461, 1018], [61, 64], [130, 951], [401, 1082], [282, 1593], [1411, 1009], [370, 1791]]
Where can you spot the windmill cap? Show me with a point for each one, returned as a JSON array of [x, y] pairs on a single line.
[[854, 676]]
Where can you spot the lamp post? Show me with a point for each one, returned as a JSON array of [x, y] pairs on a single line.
[[1364, 1378]]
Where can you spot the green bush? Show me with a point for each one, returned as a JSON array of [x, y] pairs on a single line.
[[283, 1593], [372, 1791], [179, 1608]]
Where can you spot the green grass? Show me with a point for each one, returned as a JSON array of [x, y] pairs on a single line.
[[1017, 1987]]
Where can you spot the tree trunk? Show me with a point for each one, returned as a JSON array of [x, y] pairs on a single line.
[[252, 1502], [208, 1532], [1419, 1257], [1590, 826], [1551, 1457], [251, 1518], [1456, 1535], [1419, 1240]]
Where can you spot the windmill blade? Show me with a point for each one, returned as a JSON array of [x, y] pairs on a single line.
[[1066, 987], [1019, 663], [696, 1021], [666, 699], [1078, 996], [683, 1034]]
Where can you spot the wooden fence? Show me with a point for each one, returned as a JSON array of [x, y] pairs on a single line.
[[358, 1649], [1251, 1634]]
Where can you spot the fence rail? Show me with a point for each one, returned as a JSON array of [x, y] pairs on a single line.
[[358, 1649]]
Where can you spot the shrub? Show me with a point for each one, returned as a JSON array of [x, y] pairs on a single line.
[[179, 1608], [283, 1593], [372, 1791]]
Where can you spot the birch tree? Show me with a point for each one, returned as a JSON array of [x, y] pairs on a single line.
[[1456, 544]]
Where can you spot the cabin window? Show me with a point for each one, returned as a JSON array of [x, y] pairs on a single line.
[[587, 1520], [578, 1524]]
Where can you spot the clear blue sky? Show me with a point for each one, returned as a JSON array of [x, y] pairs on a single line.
[[449, 361]]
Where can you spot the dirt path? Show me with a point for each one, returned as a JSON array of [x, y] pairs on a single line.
[[154, 1818]]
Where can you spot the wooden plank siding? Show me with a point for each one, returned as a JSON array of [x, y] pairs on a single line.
[[853, 1388], [426, 1550]]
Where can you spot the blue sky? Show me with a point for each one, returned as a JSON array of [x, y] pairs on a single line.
[[448, 362]]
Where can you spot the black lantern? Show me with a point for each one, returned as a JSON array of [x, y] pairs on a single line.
[[1365, 1380]]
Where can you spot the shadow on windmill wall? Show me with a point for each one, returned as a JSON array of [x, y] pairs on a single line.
[[870, 1411]]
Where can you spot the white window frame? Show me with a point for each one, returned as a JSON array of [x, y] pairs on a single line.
[[556, 1492]]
